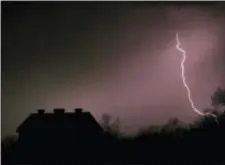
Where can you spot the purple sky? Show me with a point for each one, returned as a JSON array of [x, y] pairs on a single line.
[[110, 58]]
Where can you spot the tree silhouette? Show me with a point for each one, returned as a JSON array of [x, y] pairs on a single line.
[[105, 122], [109, 125], [218, 98], [171, 125]]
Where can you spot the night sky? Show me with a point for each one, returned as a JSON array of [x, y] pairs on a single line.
[[117, 58]]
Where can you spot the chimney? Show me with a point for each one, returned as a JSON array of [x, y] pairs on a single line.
[[41, 111], [59, 110], [78, 110]]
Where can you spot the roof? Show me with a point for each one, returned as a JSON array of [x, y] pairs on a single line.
[[70, 120]]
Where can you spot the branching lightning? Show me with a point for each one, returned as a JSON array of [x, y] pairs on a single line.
[[185, 83]]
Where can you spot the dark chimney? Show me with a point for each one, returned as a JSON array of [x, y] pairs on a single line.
[[41, 111], [59, 111], [78, 110]]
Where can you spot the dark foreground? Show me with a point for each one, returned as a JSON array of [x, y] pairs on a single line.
[[203, 143]]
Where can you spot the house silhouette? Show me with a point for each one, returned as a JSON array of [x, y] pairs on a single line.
[[59, 137]]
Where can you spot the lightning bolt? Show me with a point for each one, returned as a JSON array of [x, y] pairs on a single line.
[[186, 85]]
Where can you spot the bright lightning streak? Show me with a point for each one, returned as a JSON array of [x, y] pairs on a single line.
[[185, 83]]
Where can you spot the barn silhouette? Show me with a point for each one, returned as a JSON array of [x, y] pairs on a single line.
[[60, 137]]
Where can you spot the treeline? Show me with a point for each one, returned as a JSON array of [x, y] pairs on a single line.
[[201, 141]]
